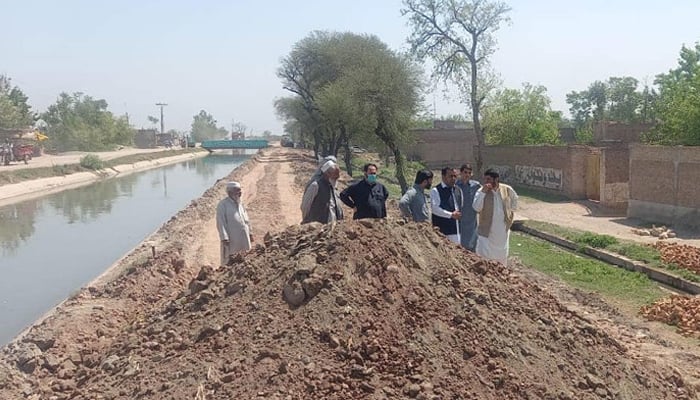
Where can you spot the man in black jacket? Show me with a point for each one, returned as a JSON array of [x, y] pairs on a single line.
[[367, 197]]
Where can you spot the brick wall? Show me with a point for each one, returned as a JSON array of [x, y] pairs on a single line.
[[553, 169], [440, 147], [663, 185]]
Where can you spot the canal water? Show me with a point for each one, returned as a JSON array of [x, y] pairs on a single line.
[[52, 246]]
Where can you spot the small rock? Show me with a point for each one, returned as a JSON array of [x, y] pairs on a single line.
[[412, 390], [293, 294], [110, 363], [341, 301], [233, 288], [42, 340], [51, 362], [312, 285], [392, 268], [207, 332], [367, 387], [197, 286]]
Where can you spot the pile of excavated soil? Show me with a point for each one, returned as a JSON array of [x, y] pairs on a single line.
[[368, 309]]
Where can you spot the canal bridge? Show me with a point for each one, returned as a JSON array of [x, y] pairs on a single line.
[[212, 145]]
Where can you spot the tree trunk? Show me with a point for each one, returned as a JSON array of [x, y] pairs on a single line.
[[400, 176], [476, 105], [348, 158]]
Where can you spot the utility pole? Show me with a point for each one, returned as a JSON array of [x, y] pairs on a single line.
[[161, 105]]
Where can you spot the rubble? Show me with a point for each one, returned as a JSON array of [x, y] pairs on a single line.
[[377, 309]]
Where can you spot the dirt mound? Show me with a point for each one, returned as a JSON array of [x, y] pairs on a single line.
[[366, 309]]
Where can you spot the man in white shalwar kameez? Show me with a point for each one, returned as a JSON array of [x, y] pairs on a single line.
[[495, 202], [232, 223]]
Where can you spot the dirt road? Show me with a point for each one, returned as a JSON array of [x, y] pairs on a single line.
[[588, 216], [73, 157]]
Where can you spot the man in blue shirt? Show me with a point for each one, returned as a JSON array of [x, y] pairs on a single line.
[[367, 197], [467, 223], [413, 204]]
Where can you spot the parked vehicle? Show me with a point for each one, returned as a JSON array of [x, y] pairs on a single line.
[[9, 153], [286, 141]]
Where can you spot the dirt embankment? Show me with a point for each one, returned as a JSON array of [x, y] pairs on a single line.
[[369, 309]]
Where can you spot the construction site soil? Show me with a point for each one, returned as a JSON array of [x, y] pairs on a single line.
[[377, 309]]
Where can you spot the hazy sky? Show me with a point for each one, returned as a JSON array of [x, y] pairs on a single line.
[[221, 56]]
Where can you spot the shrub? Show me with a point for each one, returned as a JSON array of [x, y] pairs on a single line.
[[597, 241], [91, 161]]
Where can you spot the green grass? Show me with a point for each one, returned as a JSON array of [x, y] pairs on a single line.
[[632, 250], [583, 272], [28, 174]]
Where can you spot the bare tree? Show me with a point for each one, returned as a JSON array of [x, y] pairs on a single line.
[[458, 35]]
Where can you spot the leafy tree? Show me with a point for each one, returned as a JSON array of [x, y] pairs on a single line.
[[679, 102], [349, 88], [15, 111], [204, 127], [80, 122], [617, 99], [518, 117], [459, 37], [153, 120]]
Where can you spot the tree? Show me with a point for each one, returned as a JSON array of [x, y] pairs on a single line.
[[679, 102], [458, 36], [519, 117], [15, 112], [617, 99], [80, 122], [204, 128], [349, 89], [153, 120]]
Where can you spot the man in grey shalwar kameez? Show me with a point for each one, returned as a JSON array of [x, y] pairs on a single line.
[[232, 223], [467, 223]]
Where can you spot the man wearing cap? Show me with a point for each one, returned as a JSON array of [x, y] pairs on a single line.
[[317, 174], [232, 223], [320, 202]]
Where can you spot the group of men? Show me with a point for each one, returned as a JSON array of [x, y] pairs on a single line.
[[476, 216]]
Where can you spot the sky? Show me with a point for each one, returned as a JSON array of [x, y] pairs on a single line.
[[222, 56]]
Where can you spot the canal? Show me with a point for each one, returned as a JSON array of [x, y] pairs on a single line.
[[52, 246]]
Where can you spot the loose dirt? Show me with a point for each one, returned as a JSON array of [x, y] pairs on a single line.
[[368, 309]]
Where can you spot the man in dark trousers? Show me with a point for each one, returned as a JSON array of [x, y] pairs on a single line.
[[367, 197], [446, 202]]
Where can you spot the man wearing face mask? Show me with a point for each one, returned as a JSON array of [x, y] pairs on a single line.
[[367, 197], [232, 223]]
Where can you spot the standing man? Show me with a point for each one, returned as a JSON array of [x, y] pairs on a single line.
[[467, 224], [317, 174], [232, 223], [367, 197], [446, 201], [495, 202], [413, 205], [320, 202]]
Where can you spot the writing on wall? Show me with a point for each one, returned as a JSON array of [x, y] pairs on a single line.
[[549, 178]]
